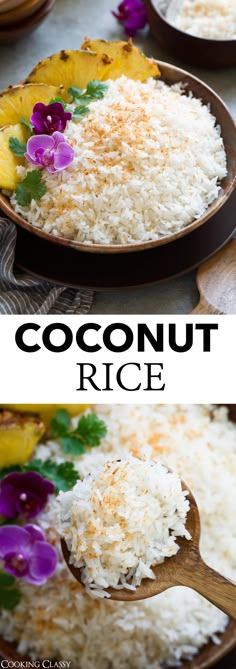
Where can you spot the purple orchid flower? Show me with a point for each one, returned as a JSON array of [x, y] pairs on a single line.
[[133, 14], [26, 554], [50, 151], [46, 119], [24, 494]]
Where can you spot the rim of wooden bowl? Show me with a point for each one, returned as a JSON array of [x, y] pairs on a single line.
[[9, 4], [170, 74]]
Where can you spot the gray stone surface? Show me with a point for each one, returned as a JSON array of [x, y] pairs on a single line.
[[66, 26]]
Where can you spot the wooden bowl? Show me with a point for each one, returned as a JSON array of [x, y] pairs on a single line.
[[5, 5], [15, 16], [190, 48], [207, 656], [17, 31], [170, 74]]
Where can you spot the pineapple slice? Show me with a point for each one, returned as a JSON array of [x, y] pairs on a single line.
[[70, 68], [47, 411], [18, 101], [77, 68], [19, 435], [9, 162], [125, 59]]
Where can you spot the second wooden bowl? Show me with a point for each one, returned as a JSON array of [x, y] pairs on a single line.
[[189, 48], [18, 31], [15, 16]]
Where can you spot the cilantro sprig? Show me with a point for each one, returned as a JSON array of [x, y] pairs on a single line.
[[64, 475], [88, 433], [95, 91], [31, 188], [17, 147], [26, 123], [9, 594]]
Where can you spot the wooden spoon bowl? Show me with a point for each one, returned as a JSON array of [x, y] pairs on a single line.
[[186, 568]]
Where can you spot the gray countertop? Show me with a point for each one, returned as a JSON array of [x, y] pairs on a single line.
[[65, 28]]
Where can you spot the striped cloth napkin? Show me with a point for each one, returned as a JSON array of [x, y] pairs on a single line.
[[21, 293]]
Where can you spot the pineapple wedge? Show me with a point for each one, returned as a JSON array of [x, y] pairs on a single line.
[[125, 59], [77, 68], [70, 67], [9, 162], [47, 411], [19, 435], [18, 101]]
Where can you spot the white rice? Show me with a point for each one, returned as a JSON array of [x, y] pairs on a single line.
[[122, 521], [212, 19], [148, 162], [59, 620]]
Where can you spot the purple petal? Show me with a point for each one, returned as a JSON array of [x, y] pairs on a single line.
[[40, 107], [64, 155], [43, 561], [33, 161], [8, 502], [67, 116], [38, 142], [55, 108], [38, 122], [58, 138], [12, 539], [11, 479], [32, 481], [35, 532]]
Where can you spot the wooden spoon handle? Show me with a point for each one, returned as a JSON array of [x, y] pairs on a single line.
[[203, 307], [211, 585]]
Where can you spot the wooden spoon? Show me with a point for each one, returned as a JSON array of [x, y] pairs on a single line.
[[185, 568], [216, 282]]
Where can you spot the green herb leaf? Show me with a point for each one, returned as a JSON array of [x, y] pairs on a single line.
[[91, 429], [17, 147], [9, 598], [61, 423], [75, 92], [64, 475], [31, 188], [9, 595], [6, 580], [26, 123], [73, 444], [79, 112], [96, 89]]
